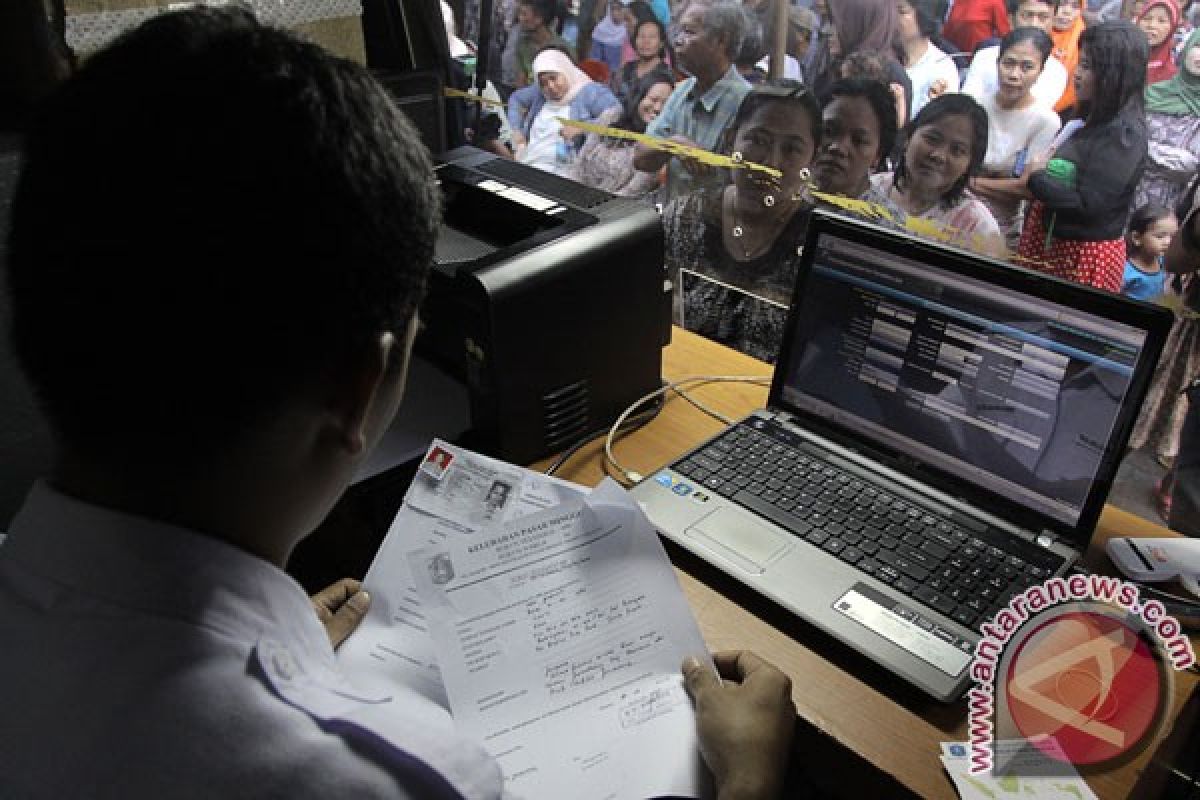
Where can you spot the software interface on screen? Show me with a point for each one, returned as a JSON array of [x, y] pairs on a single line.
[[1017, 394]]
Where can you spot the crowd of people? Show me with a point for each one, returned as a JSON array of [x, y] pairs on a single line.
[[1060, 135]]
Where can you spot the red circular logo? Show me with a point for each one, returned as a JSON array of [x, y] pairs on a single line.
[[1088, 680]]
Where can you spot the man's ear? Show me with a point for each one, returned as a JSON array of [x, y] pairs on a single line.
[[366, 388]]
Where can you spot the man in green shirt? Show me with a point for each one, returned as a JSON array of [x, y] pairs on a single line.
[[535, 19]]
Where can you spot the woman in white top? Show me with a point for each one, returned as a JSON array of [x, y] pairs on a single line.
[[562, 91], [930, 70], [1020, 127]]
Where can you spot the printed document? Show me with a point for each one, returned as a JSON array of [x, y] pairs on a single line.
[[454, 492], [559, 637]]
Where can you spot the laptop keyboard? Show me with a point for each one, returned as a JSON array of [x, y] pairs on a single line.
[[956, 566]]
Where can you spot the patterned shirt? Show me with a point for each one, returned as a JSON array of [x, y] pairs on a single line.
[[702, 119]]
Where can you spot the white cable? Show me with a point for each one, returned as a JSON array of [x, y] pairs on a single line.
[[629, 476], [712, 412]]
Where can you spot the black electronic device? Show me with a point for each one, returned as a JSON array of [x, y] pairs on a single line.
[[547, 303]]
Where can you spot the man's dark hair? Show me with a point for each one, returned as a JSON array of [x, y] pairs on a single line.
[[213, 217], [1039, 38], [1117, 52], [550, 12], [882, 103], [1013, 5], [949, 105]]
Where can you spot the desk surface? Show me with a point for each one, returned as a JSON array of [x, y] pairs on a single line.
[[864, 708]]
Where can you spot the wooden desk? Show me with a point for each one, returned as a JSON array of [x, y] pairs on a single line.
[[864, 708]]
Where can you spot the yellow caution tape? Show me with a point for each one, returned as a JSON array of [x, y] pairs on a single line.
[[674, 148], [474, 98]]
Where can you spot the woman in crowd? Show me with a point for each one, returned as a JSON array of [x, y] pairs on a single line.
[[731, 252], [1075, 224], [562, 90], [1173, 128], [866, 26], [636, 13], [609, 37], [1065, 31], [858, 130], [931, 71], [1160, 425], [606, 162], [1159, 20], [946, 145], [650, 49], [1018, 127]]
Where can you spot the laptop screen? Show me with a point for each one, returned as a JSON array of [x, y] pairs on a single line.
[[1015, 394]]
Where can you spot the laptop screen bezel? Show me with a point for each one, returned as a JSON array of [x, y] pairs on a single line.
[[1153, 320]]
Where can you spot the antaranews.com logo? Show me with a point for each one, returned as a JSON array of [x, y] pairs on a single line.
[[1079, 667]]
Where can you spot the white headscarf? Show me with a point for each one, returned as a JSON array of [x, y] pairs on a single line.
[[552, 60], [613, 34]]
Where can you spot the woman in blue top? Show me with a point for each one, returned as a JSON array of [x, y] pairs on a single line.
[[563, 90]]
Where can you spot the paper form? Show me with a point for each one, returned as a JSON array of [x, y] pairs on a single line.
[[392, 646], [560, 637]]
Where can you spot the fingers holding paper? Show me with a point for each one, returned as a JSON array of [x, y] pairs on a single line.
[[341, 607], [745, 725]]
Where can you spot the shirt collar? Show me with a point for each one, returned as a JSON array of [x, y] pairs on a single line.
[[731, 79], [160, 569]]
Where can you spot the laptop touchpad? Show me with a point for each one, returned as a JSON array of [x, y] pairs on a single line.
[[741, 539]]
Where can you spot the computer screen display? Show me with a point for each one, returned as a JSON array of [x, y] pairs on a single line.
[[1016, 394]]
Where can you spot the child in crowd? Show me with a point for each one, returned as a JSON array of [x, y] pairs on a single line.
[[1149, 235]]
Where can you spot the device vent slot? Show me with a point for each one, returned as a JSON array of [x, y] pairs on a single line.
[[566, 413]]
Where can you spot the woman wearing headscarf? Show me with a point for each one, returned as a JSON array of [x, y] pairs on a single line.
[[867, 26], [1159, 19], [561, 90], [1173, 126]]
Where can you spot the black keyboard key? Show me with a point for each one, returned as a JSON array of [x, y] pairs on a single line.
[[834, 545], [965, 616], [851, 555], [936, 600], [782, 518], [868, 566], [917, 556], [903, 584], [935, 549], [850, 537], [886, 573], [868, 547], [816, 536], [904, 565], [871, 532]]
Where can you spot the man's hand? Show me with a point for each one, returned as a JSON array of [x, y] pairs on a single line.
[[340, 608], [745, 726], [695, 167]]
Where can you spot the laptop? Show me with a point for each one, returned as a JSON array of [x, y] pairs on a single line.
[[941, 433]]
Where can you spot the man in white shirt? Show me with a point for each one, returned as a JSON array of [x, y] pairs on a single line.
[[982, 78], [219, 241]]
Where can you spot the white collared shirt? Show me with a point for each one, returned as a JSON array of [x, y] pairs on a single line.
[[145, 660]]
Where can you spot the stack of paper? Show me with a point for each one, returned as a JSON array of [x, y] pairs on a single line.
[[547, 619]]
